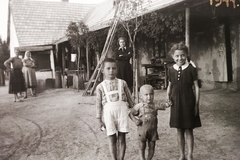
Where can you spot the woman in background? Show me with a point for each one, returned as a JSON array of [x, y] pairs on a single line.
[[29, 74], [16, 82], [123, 55]]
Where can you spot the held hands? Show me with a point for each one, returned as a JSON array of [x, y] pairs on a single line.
[[138, 122], [163, 105], [168, 103]]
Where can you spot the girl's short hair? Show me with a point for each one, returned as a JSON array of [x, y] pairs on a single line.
[[179, 46]]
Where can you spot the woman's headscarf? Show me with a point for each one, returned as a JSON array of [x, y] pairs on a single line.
[[25, 55]]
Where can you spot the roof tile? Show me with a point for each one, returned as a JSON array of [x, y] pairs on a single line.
[[103, 14], [41, 22]]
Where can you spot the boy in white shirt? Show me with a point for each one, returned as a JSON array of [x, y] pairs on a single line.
[[112, 104]]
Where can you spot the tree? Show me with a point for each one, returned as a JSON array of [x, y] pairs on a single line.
[[79, 36], [131, 19], [77, 33], [160, 25], [4, 55]]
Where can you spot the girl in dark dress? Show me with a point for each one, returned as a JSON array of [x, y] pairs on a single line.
[[185, 109], [123, 55], [16, 82]]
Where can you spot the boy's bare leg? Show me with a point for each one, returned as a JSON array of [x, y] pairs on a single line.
[[122, 144], [190, 143], [151, 146], [181, 143], [113, 146], [142, 147]]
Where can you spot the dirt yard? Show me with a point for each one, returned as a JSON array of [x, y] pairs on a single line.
[[60, 124]]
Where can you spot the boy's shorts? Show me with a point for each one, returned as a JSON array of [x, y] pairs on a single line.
[[116, 117], [147, 134]]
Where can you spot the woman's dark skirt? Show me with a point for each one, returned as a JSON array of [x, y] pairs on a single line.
[[16, 82], [125, 72]]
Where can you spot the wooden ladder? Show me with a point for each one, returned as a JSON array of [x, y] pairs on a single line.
[[92, 83]]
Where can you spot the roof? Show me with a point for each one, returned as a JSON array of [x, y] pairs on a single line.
[[103, 14], [42, 22]]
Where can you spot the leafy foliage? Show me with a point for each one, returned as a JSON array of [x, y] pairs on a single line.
[[97, 39], [131, 17], [158, 25], [79, 36], [77, 33], [4, 53]]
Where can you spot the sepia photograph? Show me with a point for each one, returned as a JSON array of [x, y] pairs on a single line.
[[119, 80]]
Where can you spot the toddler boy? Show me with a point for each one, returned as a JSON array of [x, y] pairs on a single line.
[[144, 115]]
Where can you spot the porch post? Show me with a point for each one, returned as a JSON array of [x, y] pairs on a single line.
[[63, 58], [88, 62], [187, 29], [52, 63]]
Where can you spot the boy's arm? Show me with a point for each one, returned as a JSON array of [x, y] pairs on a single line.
[[128, 95], [133, 113], [99, 107]]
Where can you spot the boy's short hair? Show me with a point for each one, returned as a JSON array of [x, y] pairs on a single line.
[[146, 86], [179, 46], [111, 60]]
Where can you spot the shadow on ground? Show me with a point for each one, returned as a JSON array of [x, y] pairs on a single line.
[[60, 124]]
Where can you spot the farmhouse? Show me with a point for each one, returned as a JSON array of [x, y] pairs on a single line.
[[210, 29]]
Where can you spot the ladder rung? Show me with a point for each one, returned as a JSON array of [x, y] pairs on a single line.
[[89, 90]]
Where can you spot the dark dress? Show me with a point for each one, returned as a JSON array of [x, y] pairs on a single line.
[[125, 71], [16, 82], [183, 98]]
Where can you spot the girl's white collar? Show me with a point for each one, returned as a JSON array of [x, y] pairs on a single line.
[[176, 67]]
